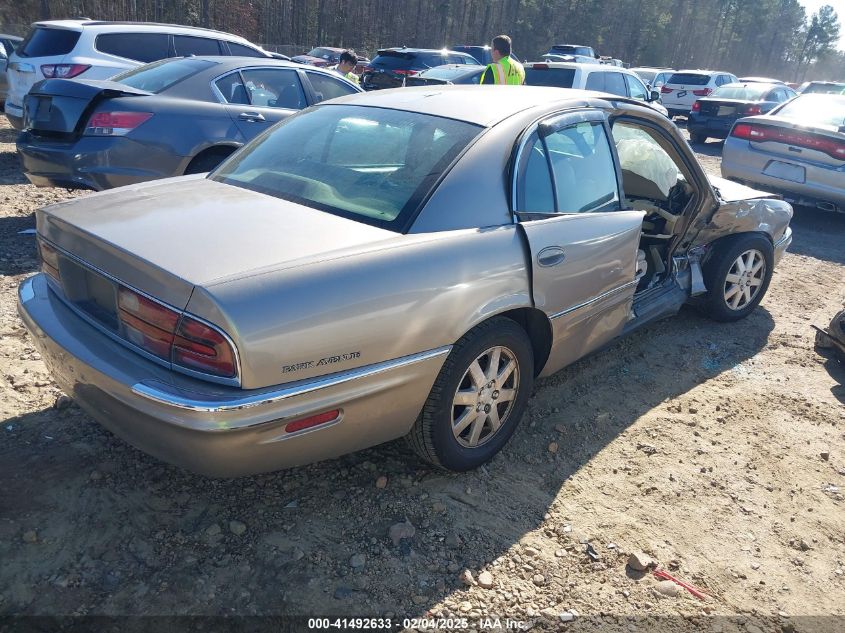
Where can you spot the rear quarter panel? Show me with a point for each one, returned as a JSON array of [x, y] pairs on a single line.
[[423, 292]]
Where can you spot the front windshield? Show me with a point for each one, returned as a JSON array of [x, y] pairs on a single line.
[[159, 76], [372, 165], [753, 92], [825, 110]]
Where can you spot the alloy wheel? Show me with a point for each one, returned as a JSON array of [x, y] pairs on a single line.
[[744, 279], [485, 397]]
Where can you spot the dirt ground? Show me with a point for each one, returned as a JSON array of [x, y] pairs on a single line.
[[718, 449]]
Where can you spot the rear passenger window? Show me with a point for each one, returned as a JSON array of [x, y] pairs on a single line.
[[186, 45], [232, 89], [239, 50], [141, 47], [615, 84], [595, 81], [274, 88], [326, 87], [569, 171]]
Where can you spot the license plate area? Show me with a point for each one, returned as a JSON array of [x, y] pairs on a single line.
[[785, 171], [726, 110], [90, 292]]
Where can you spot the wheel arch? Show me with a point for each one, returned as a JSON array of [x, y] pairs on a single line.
[[538, 328], [719, 243], [222, 149]]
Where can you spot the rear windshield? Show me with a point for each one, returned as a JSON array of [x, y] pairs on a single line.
[[555, 77], [826, 110], [368, 164], [754, 92], [689, 79], [43, 42], [571, 50], [159, 76], [393, 61], [824, 89]]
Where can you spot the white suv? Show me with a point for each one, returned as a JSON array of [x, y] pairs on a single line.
[[685, 87], [599, 77], [98, 50]]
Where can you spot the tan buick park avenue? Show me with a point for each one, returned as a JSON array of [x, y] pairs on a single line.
[[399, 263]]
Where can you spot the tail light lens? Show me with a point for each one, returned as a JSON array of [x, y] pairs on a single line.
[[202, 348], [753, 109], [115, 123], [173, 336], [147, 324], [49, 260], [762, 133], [665, 90], [696, 107], [407, 73], [703, 92], [540, 66], [63, 71]]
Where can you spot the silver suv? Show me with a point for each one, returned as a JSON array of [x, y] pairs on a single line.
[[64, 49]]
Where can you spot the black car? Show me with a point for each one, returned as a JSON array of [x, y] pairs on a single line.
[[713, 116], [448, 74], [392, 66]]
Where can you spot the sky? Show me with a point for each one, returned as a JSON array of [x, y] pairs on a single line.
[[812, 6]]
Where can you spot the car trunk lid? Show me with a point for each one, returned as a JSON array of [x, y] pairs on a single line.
[[793, 141], [727, 108], [166, 237], [61, 107]]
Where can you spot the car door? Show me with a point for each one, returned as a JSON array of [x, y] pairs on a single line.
[[323, 86], [257, 98], [583, 244]]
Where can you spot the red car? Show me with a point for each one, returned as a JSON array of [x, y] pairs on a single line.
[[328, 56]]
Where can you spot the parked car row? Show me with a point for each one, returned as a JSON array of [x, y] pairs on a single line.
[[88, 49]]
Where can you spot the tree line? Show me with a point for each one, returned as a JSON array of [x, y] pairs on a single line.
[[761, 37]]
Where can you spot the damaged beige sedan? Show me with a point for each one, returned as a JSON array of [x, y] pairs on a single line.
[[398, 263]]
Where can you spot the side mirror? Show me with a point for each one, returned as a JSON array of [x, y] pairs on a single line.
[[654, 96]]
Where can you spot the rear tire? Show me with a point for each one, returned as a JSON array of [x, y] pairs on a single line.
[[473, 409], [698, 138], [737, 276]]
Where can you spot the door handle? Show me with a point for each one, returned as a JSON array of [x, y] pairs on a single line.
[[251, 116], [550, 256]]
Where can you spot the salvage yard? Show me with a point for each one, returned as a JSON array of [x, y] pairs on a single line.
[[717, 449]]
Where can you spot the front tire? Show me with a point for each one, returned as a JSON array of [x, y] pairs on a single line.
[[737, 276], [478, 398]]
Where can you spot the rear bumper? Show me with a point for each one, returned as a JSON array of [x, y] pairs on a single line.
[[95, 162], [216, 430], [713, 127], [823, 186]]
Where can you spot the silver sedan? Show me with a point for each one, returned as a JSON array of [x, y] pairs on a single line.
[[798, 150], [398, 263]]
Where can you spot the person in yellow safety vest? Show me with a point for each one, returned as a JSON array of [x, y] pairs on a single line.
[[503, 70], [348, 61]]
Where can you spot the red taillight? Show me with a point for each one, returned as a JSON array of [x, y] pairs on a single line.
[[406, 72], [702, 93], [368, 69], [763, 133], [174, 336], [753, 109], [49, 260], [202, 348], [665, 90], [540, 66], [696, 107], [115, 123], [147, 324], [314, 420], [63, 71]]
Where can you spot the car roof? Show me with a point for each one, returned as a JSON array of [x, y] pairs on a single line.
[[601, 68], [701, 71], [85, 24], [405, 49], [226, 62], [468, 68], [760, 80], [484, 105], [6, 36]]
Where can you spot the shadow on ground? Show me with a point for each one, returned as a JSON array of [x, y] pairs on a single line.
[[117, 531], [819, 234]]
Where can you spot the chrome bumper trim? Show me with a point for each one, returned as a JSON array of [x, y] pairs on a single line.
[[601, 297], [181, 399]]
